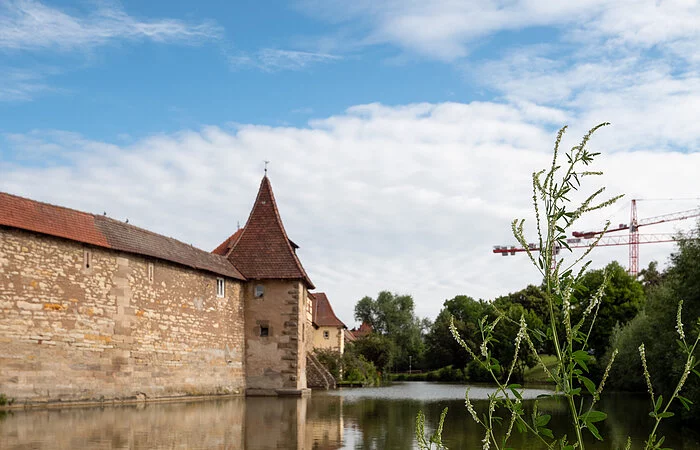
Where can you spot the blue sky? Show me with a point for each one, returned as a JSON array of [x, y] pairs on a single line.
[[401, 133]]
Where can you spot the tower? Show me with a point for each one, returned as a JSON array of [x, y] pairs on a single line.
[[275, 300]]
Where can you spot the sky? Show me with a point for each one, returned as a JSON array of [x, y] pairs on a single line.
[[401, 135]]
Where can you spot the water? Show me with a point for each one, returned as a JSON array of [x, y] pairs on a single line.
[[370, 418]]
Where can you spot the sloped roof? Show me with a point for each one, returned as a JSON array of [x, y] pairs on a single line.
[[323, 315], [225, 246], [363, 331], [101, 231], [348, 336], [263, 250]]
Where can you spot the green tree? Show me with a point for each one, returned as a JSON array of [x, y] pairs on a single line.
[[655, 326], [531, 298], [651, 276], [378, 349], [392, 316], [441, 345], [466, 313], [622, 299]]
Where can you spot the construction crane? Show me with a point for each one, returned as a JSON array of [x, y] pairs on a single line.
[[632, 239], [633, 227]]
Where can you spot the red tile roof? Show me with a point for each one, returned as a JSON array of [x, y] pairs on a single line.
[[225, 246], [363, 331], [263, 250], [101, 231], [349, 336], [323, 315]]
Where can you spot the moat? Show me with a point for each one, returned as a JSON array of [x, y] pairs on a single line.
[[363, 418]]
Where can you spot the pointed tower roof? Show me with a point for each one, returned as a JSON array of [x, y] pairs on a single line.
[[262, 249]]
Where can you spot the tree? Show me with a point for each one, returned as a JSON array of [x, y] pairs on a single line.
[[378, 349], [441, 345], [651, 276], [623, 298], [392, 316], [531, 298], [466, 313], [655, 326]]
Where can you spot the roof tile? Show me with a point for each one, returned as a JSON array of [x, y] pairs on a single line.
[[101, 231], [263, 250], [323, 315]]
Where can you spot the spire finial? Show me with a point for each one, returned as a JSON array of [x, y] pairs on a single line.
[[266, 163]]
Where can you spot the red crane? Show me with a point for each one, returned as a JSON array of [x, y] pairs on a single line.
[[633, 239], [633, 227]]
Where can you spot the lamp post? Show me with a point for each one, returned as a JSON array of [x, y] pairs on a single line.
[[410, 358]]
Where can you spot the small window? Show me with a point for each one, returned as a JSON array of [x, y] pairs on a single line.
[[264, 331], [220, 287], [87, 259], [259, 290], [326, 335], [151, 269]]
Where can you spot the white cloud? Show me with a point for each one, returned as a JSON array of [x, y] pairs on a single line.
[[408, 198], [446, 29], [17, 85], [31, 25], [273, 60], [654, 104]]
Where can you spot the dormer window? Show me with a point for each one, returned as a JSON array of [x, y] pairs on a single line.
[[259, 290], [220, 288]]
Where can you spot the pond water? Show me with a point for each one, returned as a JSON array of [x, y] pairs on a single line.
[[367, 418]]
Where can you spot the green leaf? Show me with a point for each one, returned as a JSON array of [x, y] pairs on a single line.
[[664, 415], [686, 402], [543, 420], [581, 357], [594, 431], [659, 400], [588, 383], [546, 432], [593, 416], [516, 393]]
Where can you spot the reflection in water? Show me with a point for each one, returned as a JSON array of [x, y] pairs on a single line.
[[381, 418]]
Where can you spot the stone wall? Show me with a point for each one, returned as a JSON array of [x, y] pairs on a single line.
[[109, 331], [276, 362]]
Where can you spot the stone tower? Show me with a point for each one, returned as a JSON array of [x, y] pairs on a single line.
[[276, 301]]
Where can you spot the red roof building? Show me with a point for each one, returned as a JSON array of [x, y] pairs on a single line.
[[255, 270], [262, 250], [101, 231], [323, 315], [363, 331]]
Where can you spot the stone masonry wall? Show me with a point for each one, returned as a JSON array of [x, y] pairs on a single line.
[[71, 333], [276, 361]]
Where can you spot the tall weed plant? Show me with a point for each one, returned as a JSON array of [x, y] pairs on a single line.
[[555, 214]]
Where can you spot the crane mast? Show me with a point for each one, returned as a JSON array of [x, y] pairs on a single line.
[[582, 239]]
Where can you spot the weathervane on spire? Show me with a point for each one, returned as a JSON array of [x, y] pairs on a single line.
[[266, 163]]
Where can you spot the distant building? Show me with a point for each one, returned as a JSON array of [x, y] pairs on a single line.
[[361, 332], [95, 308], [329, 331]]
